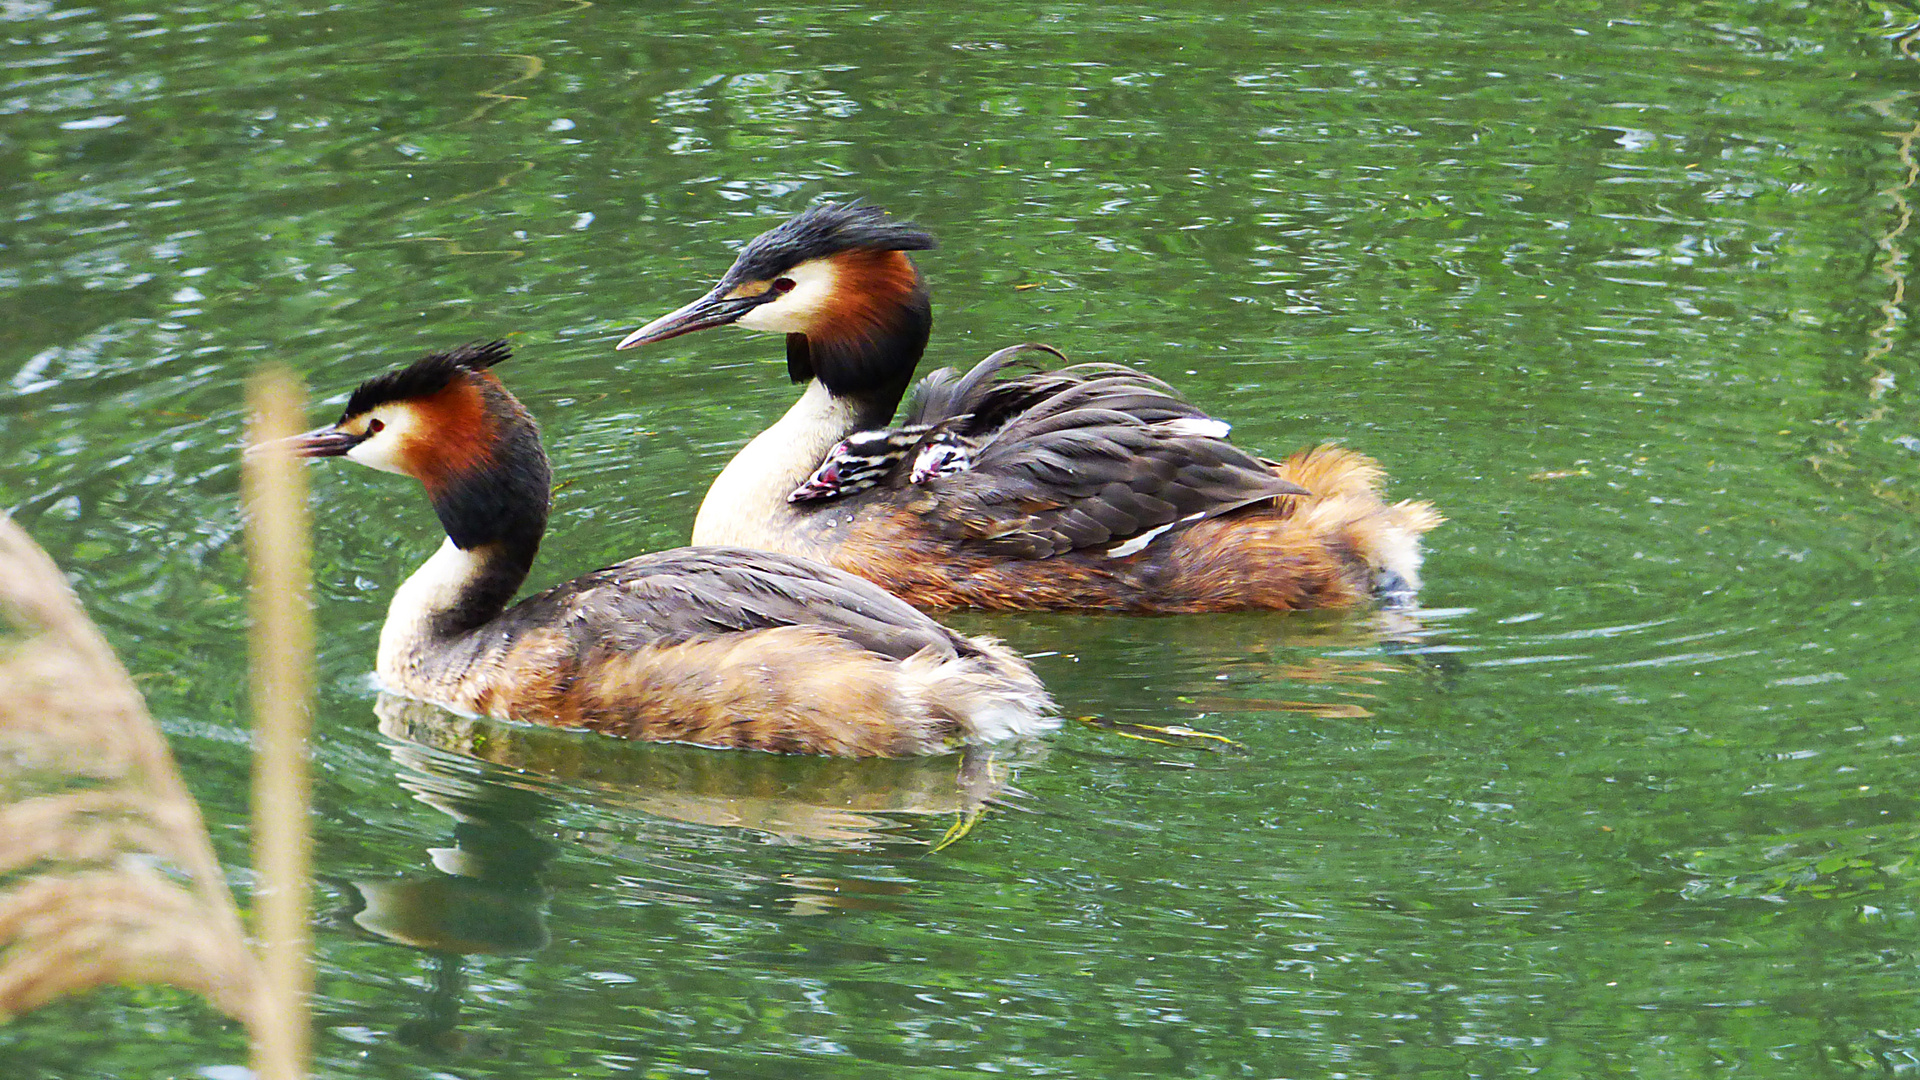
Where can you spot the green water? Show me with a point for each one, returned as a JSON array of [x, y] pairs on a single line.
[[1621, 287]]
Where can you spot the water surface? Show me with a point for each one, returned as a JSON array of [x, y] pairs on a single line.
[[1620, 287]]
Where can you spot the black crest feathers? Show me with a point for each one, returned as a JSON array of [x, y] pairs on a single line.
[[826, 229], [426, 376]]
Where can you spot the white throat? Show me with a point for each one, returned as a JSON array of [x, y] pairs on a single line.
[[431, 590], [747, 505]]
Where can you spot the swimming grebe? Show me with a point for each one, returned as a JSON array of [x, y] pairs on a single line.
[[712, 645], [1099, 487]]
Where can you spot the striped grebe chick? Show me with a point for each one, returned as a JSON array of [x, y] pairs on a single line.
[[942, 452], [865, 458], [1089, 487], [719, 646], [859, 461], [926, 451]]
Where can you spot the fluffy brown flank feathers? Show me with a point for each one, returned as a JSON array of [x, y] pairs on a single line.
[[1291, 554]]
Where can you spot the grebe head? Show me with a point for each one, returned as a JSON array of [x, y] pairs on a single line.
[[943, 453], [447, 422], [837, 279]]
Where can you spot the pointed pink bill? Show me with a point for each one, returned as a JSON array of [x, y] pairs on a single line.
[[320, 442], [713, 309]]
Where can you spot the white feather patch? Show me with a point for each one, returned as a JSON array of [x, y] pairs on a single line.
[[747, 503], [992, 697], [1140, 542], [430, 590], [1205, 427]]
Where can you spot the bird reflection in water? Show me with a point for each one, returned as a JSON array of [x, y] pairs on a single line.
[[501, 783]]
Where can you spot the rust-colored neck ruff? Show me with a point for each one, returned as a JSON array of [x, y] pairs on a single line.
[[868, 334], [457, 434]]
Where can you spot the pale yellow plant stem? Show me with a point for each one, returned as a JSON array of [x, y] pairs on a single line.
[[274, 488]]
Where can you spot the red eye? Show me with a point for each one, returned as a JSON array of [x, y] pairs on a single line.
[[782, 285], [375, 427]]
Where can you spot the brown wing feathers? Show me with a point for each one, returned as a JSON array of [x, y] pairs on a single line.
[[1078, 460], [673, 597], [946, 393]]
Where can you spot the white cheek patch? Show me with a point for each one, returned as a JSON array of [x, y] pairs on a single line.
[[385, 451], [798, 311]]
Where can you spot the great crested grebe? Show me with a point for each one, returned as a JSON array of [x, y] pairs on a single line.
[[1092, 486], [712, 645]]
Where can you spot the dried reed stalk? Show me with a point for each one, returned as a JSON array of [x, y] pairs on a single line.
[[106, 874], [275, 492]]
